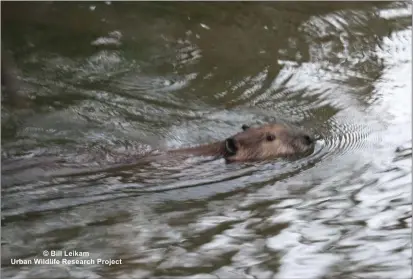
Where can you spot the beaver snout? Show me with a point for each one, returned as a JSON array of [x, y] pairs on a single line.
[[307, 139]]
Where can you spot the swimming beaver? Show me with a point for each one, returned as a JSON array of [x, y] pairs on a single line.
[[256, 143], [252, 144]]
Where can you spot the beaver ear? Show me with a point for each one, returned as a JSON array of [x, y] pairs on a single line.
[[245, 127], [230, 146]]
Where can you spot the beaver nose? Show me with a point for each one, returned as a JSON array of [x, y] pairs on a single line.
[[307, 139]]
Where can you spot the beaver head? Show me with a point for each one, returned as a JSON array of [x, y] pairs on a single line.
[[266, 142]]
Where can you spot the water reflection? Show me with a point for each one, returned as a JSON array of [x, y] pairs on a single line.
[[109, 82]]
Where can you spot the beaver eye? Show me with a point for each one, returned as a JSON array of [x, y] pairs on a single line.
[[245, 127], [270, 137]]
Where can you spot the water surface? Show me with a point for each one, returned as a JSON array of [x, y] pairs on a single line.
[[107, 82]]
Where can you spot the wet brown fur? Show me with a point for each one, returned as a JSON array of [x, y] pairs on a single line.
[[256, 143]]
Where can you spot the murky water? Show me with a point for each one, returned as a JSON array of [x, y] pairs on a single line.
[[108, 82]]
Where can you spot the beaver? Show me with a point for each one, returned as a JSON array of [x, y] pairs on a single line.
[[252, 144], [269, 141]]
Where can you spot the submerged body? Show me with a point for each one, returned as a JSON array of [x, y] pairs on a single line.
[[256, 143]]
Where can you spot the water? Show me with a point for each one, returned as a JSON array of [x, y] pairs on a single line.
[[107, 82]]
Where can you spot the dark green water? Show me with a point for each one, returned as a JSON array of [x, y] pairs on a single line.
[[107, 82]]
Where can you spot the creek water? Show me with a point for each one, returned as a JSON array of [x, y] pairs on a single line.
[[106, 82]]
